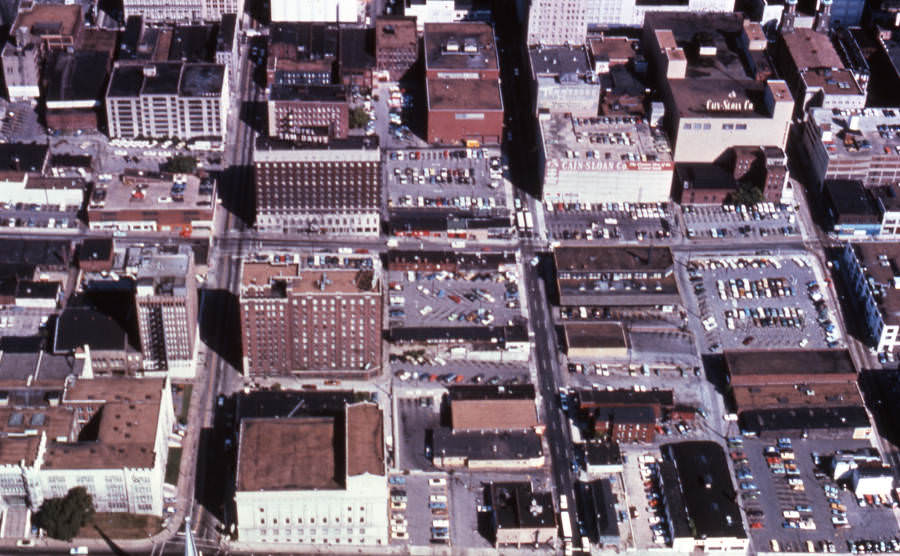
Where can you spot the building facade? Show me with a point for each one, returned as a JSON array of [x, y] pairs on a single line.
[[295, 487], [396, 46], [182, 10], [557, 22], [308, 114], [343, 11], [311, 319], [333, 188], [870, 273]]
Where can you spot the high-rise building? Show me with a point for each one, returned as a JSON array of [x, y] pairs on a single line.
[[308, 113], [182, 10], [167, 100], [311, 316], [557, 22], [333, 187], [166, 300]]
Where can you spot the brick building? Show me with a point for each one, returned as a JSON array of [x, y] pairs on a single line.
[[311, 319], [308, 114], [396, 46]]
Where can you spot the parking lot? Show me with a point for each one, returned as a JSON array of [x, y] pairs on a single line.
[[730, 221], [430, 375], [473, 298], [53, 217], [611, 222], [466, 181], [416, 417], [793, 514], [759, 302], [644, 517]]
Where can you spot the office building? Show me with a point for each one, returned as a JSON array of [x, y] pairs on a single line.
[[557, 22], [182, 10], [177, 204], [168, 100], [462, 84], [713, 183], [859, 145], [312, 317], [446, 11], [396, 46], [736, 106], [315, 480], [624, 424], [102, 341], [521, 516], [596, 340], [166, 300], [301, 54], [332, 188], [603, 160], [872, 275], [38, 29], [698, 498], [308, 113], [563, 81], [343, 11]]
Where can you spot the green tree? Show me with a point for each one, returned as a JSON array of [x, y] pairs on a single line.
[[358, 118], [63, 517], [179, 164], [746, 194]]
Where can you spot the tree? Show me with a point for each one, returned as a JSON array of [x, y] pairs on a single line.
[[358, 118], [746, 194], [63, 517], [180, 164]]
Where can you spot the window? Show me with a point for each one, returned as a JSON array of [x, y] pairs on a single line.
[[727, 126], [740, 126]]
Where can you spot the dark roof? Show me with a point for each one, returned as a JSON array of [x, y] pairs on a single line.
[[165, 82], [463, 94], [804, 418], [515, 506], [602, 453], [599, 510], [408, 219], [95, 249], [498, 335], [63, 160], [77, 327], [126, 81], [395, 32], [47, 253], [676, 509], [700, 175], [789, 362], [559, 60], [591, 398], [23, 157], [489, 392], [487, 445], [475, 49], [613, 258], [192, 43], [356, 49], [595, 335], [201, 80], [707, 489], [131, 36], [267, 404], [310, 93], [626, 414], [306, 41], [79, 75], [851, 203], [37, 290], [226, 33]]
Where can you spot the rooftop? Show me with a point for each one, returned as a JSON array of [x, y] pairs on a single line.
[[605, 143], [463, 94], [810, 49], [625, 414], [710, 42], [616, 276], [50, 19], [95, 249], [46, 253], [804, 418], [599, 501], [395, 32], [166, 78], [816, 363], [309, 93], [365, 434], [851, 202], [781, 396], [192, 43], [592, 398], [303, 41], [202, 80], [160, 192], [289, 454], [448, 260], [497, 414], [707, 488], [724, 97], [595, 335], [460, 46], [832, 82], [23, 157], [489, 392], [614, 50], [613, 259], [76, 76], [77, 327], [880, 264], [565, 62], [260, 279], [486, 445], [515, 506], [876, 132]]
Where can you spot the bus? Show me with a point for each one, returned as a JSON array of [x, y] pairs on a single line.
[[520, 219], [529, 223], [566, 525]]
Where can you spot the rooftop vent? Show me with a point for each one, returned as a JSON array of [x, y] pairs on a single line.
[[451, 46]]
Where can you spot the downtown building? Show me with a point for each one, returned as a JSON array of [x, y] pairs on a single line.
[[311, 317], [308, 113], [168, 100], [327, 188], [182, 10]]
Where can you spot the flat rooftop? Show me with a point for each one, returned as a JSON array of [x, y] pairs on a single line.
[[881, 265], [559, 60], [605, 143], [278, 280], [309, 93], [746, 98], [877, 132], [595, 335], [832, 82], [789, 362], [784, 420], [614, 50], [495, 414], [365, 439], [487, 445], [289, 454], [577, 260], [166, 78], [201, 80], [146, 191], [810, 49], [460, 46], [50, 19], [717, 32], [463, 94], [76, 76], [396, 32], [515, 506], [784, 396]]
